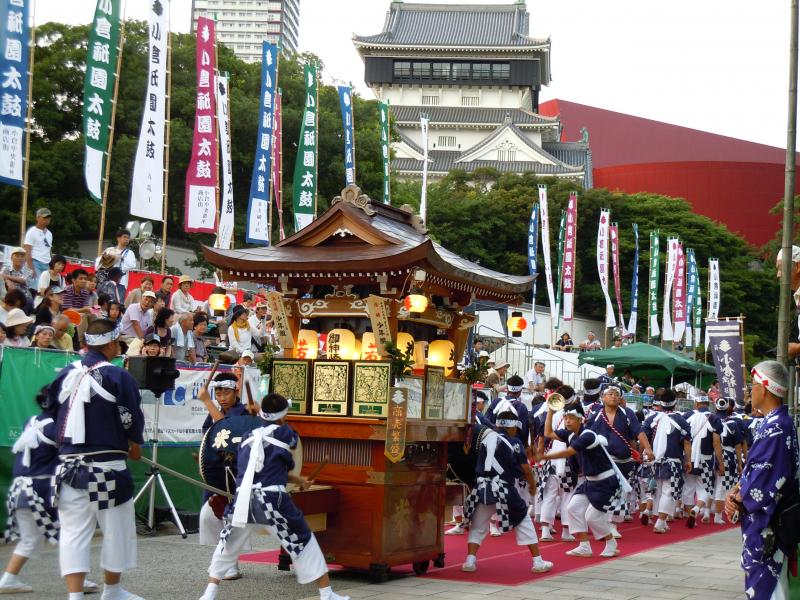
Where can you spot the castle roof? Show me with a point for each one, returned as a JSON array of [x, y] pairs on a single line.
[[488, 117]]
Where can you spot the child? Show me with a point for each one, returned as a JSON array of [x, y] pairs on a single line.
[[151, 346], [261, 500], [604, 488], [501, 461], [32, 517]]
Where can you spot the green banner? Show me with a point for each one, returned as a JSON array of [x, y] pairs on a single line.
[[561, 231], [304, 188], [99, 89], [383, 110], [653, 291]]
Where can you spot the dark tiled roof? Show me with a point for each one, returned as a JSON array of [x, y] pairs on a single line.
[[476, 25], [573, 153], [464, 114], [443, 161], [409, 142]]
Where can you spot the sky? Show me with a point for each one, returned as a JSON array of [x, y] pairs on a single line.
[[716, 65]]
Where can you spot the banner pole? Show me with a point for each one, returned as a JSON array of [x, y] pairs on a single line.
[[353, 116], [316, 139], [166, 154], [111, 132], [272, 146], [23, 215]]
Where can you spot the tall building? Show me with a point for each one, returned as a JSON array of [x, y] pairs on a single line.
[[243, 24], [477, 73]]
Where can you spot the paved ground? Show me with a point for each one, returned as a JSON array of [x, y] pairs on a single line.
[[174, 569]]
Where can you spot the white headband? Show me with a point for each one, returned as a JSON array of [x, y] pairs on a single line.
[[101, 339], [508, 423], [572, 411], [273, 416], [612, 388], [772, 386], [514, 388], [591, 392], [226, 384]]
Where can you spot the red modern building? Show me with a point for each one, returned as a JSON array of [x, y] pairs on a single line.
[[729, 180]]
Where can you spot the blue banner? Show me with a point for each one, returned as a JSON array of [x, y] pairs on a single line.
[[258, 225], [14, 81], [533, 247], [346, 106], [634, 283], [691, 293]]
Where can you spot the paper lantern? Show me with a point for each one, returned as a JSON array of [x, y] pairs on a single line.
[[356, 350], [516, 324], [415, 303], [419, 355], [342, 343], [219, 302], [403, 340], [307, 344], [439, 355], [369, 347]]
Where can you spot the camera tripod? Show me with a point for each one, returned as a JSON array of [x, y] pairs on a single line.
[[154, 476]]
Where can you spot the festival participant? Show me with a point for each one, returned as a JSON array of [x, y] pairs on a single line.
[[763, 493], [671, 439], [591, 396], [38, 244], [618, 424], [182, 300], [121, 255], [604, 488], [501, 461], [264, 462], [138, 318], [135, 296], [535, 378], [607, 378], [100, 424], [514, 387], [495, 375], [246, 360], [706, 428], [17, 323], [732, 440]]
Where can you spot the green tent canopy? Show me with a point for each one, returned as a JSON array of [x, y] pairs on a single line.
[[654, 362]]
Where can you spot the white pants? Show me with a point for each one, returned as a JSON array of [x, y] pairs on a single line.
[[693, 487], [551, 497], [644, 490], [781, 591], [665, 500], [308, 567], [210, 526], [458, 511], [583, 516], [30, 537], [479, 527], [720, 493], [79, 519]]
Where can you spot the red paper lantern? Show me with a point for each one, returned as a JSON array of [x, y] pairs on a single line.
[[516, 324]]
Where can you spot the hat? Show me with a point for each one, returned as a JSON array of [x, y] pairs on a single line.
[[16, 316], [483, 354], [262, 304], [150, 338], [109, 258], [149, 294], [501, 365], [795, 254], [42, 327], [17, 250], [44, 212], [185, 279], [249, 354]]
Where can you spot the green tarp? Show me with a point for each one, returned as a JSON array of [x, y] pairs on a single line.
[[643, 359]]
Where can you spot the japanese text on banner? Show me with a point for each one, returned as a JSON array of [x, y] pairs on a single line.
[[562, 226], [378, 309], [548, 273], [602, 264], [679, 292], [570, 250], [632, 323], [304, 188], [691, 293], [346, 106], [655, 257], [383, 111], [14, 67], [725, 340], [225, 232], [533, 247], [280, 319], [277, 160], [202, 177], [614, 234]]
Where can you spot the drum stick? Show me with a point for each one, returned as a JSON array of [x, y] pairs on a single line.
[[211, 375], [322, 464], [250, 397], [186, 478]]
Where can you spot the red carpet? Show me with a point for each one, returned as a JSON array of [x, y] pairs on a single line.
[[501, 561]]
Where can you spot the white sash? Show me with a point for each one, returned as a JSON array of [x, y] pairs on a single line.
[[700, 429], [663, 426], [77, 388], [490, 441], [600, 440], [31, 438]]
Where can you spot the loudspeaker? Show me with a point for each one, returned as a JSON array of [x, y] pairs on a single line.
[[154, 373]]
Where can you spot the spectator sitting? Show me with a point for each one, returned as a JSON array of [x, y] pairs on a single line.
[[617, 342], [112, 285], [91, 287], [246, 360], [166, 289], [160, 330], [240, 333], [100, 309], [713, 391], [535, 378], [115, 310], [13, 299], [495, 377], [158, 305], [565, 343], [591, 343], [152, 346], [38, 244], [76, 296], [43, 337], [62, 333], [136, 295], [182, 338], [182, 300], [199, 354], [261, 323], [138, 317], [17, 324], [51, 305], [52, 276], [16, 275]]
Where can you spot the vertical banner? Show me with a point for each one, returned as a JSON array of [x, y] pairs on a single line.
[[713, 288], [679, 293], [98, 93], [280, 319], [200, 213], [669, 277], [277, 161], [569, 256], [15, 37], [726, 343], [378, 309], [548, 273], [602, 264], [562, 226], [258, 225], [225, 229], [395, 445], [423, 201], [691, 293], [632, 322], [147, 187], [533, 247], [304, 188], [383, 111], [698, 312], [346, 106], [614, 234], [655, 257]]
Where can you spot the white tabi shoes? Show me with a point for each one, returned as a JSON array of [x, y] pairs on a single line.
[[541, 566], [494, 530], [15, 587], [457, 529], [581, 552]]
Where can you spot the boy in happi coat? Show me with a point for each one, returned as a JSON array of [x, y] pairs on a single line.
[[501, 461], [732, 438], [698, 489], [261, 501]]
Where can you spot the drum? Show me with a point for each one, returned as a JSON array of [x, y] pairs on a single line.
[[460, 464], [220, 447]]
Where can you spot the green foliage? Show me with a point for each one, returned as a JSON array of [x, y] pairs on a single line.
[[401, 361]]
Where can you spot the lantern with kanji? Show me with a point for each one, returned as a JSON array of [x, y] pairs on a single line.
[[516, 324], [369, 347], [342, 344], [307, 344]]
